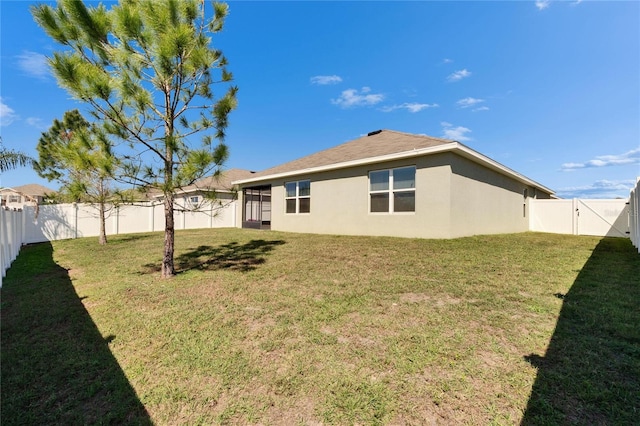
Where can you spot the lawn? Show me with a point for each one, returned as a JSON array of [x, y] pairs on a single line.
[[262, 327]]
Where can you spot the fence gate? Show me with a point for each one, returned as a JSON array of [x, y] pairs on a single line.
[[608, 218], [602, 217]]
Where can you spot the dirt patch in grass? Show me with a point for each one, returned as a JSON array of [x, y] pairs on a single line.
[[431, 300]]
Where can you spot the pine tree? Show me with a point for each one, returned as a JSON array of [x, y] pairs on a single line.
[[78, 154], [147, 69]]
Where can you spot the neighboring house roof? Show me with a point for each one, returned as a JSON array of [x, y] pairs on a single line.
[[379, 146], [221, 183], [32, 189]]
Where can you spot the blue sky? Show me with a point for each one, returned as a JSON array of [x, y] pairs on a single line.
[[550, 89]]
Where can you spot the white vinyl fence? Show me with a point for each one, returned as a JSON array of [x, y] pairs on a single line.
[[607, 218], [11, 238], [634, 215], [62, 221]]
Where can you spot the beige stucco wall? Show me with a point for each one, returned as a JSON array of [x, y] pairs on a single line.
[[454, 197], [340, 203], [486, 202]]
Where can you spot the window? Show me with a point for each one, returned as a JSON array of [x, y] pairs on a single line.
[[194, 200], [14, 198], [393, 190], [298, 196]]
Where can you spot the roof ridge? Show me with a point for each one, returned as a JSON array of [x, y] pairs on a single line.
[[419, 135]]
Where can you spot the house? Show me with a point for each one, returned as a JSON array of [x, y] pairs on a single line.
[[221, 187], [390, 183], [24, 195]]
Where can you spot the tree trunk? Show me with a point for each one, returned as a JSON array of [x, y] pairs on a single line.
[[103, 234], [168, 269]]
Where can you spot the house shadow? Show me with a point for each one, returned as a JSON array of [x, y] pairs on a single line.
[[57, 367], [590, 374], [232, 256]]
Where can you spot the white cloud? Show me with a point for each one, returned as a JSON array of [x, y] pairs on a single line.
[[455, 133], [33, 64], [7, 114], [409, 106], [629, 157], [482, 108], [468, 102], [542, 4], [36, 122], [323, 80], [599, 189], [352, 97], [447, 61], [577, 2], [458, 75]]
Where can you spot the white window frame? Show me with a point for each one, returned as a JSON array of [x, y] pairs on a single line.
[[390, 191], [297, 197]]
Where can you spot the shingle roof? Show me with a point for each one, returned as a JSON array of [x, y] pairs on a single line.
[[376, 144], [381, 145], [221, 183], [33, 189]]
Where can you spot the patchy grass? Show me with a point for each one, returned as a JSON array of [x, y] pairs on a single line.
[[275, 328]]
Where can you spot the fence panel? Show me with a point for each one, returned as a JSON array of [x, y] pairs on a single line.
[[608, 218], [63, 221], [634, 215], [12, 235], [554, 216]]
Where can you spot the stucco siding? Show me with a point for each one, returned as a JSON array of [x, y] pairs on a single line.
[[486, 202], [454, 197], [340, 203]]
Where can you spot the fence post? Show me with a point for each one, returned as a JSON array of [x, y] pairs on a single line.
[[152, 211], [210, 214], [11, 234], [116, 221], [576, 216], [75, 220], [184, 214]]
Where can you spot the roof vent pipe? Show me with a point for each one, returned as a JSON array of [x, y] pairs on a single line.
[[375, 132]]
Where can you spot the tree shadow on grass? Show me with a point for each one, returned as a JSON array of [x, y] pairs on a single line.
[[233, 256], [56, 366], [590, 374]]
